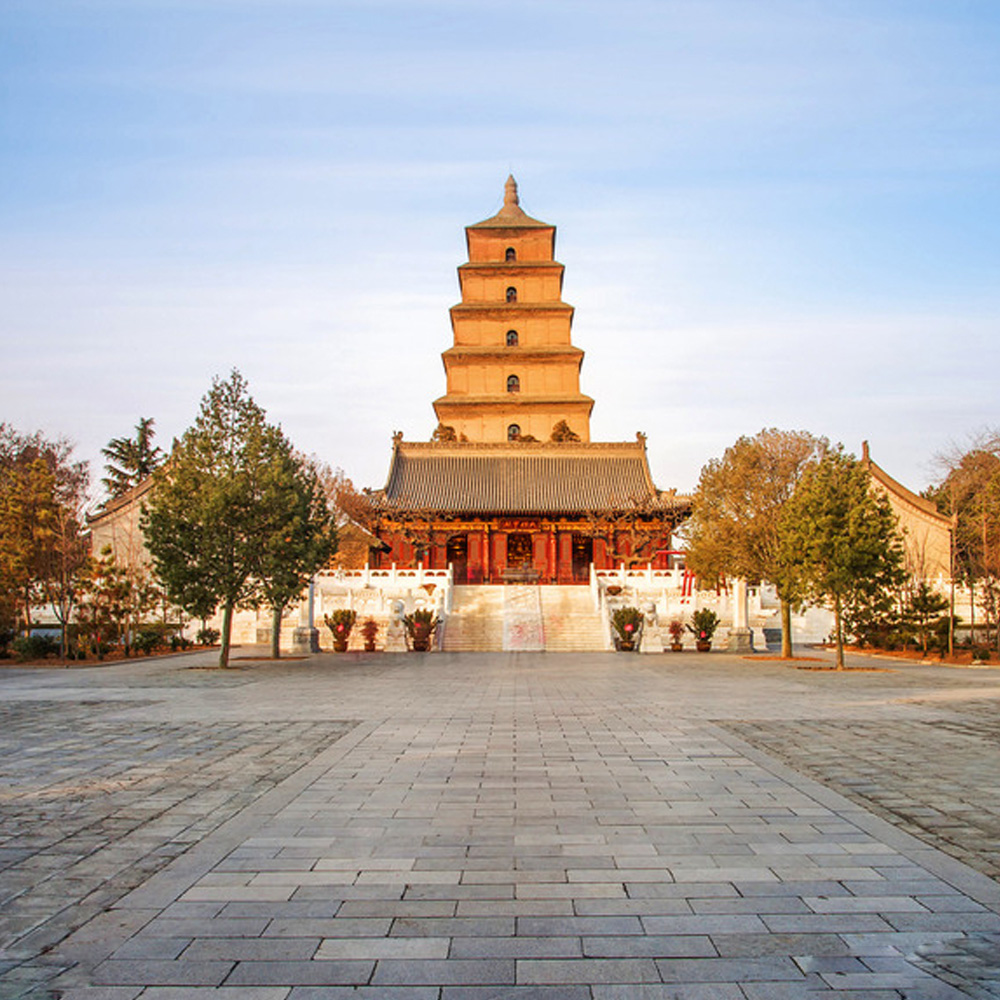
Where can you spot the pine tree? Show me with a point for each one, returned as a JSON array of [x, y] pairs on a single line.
[[298, 532], [838, 540], [131, 460], [229, 507]]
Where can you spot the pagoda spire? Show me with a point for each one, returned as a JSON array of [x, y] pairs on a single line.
[[510, 199]]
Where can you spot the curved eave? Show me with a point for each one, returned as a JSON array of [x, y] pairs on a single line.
[[118, 504], [922, 505]]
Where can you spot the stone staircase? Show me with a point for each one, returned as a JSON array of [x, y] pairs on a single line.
[[475, 623], [571, 623], [496, 618]]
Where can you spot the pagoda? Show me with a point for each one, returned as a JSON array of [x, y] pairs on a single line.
[[511, 488], [513, 372]]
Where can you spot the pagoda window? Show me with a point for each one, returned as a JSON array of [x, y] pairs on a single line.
[[513, 383], [512, 338], [510, 254], [512, 294], [513, 432]]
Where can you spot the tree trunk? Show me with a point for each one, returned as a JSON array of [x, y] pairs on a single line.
[[27, 610], [227, 631], [972, 613], [786, 629], [839, 631], [276, 633], [951, 617]]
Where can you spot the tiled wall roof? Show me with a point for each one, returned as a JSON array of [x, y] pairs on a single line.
[[520, 480]]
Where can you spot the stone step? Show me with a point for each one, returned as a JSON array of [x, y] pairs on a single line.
[[569, 622]]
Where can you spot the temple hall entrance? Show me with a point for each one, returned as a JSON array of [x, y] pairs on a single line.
[[457, 553], [583, 556], [519, 552]]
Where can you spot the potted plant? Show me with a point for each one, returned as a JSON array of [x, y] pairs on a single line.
[[676, 630], [420, 627], [340, 624], [627, 623], [369, 630], [704, 622]]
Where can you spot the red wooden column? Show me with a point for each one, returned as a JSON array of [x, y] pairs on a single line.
[[565, 568], [475, 564], [540, 555], [552, 568], [601, 553], [498, 562], [437, 554]]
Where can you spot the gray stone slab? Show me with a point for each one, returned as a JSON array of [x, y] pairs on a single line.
[[146, 972], [440, 973], [588, 971], [523, 817], [562, 992], [300, 974]]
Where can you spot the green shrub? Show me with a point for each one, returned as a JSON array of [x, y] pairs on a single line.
[[340, 623], [147, 640], [179, 642], [704, 622], [207, 636], [627, 622], [34, 647], [420, 626]]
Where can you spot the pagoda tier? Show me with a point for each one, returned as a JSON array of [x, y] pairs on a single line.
[[513, 371]]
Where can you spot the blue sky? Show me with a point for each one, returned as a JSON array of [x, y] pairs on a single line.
[[771, 212]]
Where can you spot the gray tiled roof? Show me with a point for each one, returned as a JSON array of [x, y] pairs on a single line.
[[521, 479]]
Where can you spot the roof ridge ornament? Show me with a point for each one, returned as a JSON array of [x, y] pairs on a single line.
[[510, 198]]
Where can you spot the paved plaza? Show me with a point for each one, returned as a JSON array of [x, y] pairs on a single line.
[[488, 826]]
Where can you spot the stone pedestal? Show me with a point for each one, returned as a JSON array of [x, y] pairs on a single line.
[[395, 637], [740, 635], [740, 640], [305, 640]]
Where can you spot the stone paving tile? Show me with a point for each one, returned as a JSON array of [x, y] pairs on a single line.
[[291, 973], [99, 805], [535, 827], [916, 773]]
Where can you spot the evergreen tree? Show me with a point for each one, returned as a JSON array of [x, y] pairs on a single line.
[[236, 518], [205, 522], [131, 460], [838, 540], [298, 533], [924, 610], [733, 530]]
